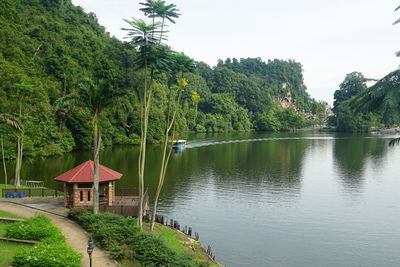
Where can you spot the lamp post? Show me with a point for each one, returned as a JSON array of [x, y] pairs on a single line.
[[90, 249]]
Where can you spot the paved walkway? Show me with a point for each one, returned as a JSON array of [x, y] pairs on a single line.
[[76, 237]]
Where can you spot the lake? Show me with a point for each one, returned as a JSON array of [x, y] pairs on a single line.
[[301, 199]]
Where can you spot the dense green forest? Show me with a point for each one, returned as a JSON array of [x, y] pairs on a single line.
[[48, 48], [358, 108]]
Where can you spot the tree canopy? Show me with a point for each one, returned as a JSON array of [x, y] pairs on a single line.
[[48, 48]]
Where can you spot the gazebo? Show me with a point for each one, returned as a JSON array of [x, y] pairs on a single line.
[[78, 185]]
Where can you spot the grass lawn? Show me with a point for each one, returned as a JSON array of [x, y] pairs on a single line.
[[6, 214], [180, 243], [8, 249], [3, 228]]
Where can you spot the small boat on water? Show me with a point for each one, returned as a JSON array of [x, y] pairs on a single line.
[[178, 144]]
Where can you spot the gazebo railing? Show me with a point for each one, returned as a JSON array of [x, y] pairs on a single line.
[[31, 192], [29, 183], [124, 192], [128, 199]]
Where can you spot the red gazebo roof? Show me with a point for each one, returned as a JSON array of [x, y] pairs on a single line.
[[84, 174]]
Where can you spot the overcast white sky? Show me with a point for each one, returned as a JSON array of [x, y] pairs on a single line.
[[329, 37]]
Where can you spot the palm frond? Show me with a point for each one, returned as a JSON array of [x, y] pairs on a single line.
[[396, 22], [14, 122], [394, 142]]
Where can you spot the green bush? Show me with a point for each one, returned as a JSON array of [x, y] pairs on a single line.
[[112, 232], [38, 228], [122, 238], [52, 249], [48, 255], [151, 251]]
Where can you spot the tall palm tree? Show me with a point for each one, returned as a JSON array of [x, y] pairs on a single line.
[[96, 97], [152, 57], [62, 107], [159, 9], [14, 122], [143, 37]]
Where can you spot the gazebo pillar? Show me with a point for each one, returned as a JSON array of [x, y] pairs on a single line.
[[65, 195], [111, 193]]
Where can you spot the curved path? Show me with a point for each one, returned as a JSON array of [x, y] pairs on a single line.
[[76, 237]]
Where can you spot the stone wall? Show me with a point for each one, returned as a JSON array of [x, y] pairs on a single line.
[[83, 200]]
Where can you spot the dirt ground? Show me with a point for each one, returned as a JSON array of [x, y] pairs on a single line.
[[76, 237]]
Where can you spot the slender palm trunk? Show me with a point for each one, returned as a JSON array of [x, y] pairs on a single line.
[[97, 142], [20, 147], [162, 30], [4, 161], [164, 161], [164, 165], [18, 163], [142, 153]]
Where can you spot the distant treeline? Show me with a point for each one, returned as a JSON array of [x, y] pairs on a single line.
[[48, 47]]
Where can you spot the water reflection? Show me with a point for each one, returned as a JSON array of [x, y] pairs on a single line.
[[255, 200], [351, 156], [270, 162]]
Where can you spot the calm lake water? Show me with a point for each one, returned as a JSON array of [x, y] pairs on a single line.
[[308, 199]]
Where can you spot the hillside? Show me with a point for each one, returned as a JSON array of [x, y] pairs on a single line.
[[48, 47]]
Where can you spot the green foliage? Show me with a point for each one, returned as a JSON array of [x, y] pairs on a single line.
[[280, 119], [268, 122], [122, 238], [48, 255], [358, 108], [290, 119], [52, 249], [38, 228], [353, 85], [48, 48], [383, 98], [112, 232], [348, 121], [151, 251]]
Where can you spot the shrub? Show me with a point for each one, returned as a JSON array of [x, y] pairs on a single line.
[[122, 238], [112, 232], [38, 228], [151, 251], [48, 255]]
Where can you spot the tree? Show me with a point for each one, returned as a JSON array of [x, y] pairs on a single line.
[[173, 107], [96, 97], [152, 57], [144, 39], [10, 120], [383, 98], [353, 85], [159, 9], [23, 92]]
